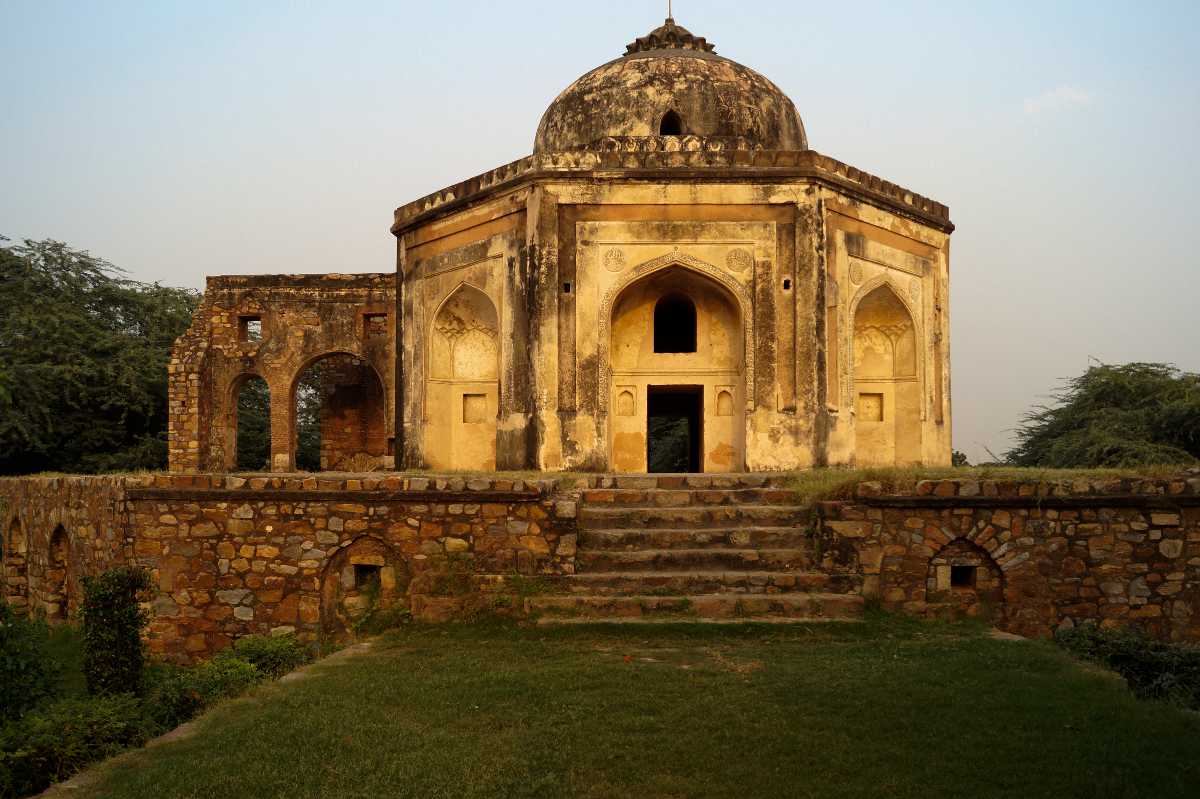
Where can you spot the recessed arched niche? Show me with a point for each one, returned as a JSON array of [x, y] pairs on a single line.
[[462, 391], [677, 359], [887, 397]]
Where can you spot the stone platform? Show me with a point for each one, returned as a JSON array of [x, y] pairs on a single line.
[[239, 554]]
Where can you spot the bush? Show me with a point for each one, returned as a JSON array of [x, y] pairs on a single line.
[[113, 657], [53, 743], [27, 674], [176, 694], [1154, 669], [273, 655]]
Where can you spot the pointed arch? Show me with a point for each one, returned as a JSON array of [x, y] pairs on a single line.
[[885, 376], [346, 411], [671, 124], [462, 384], [247, 414], [57, 582], [675, 259]]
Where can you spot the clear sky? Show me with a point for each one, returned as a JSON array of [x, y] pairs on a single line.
[[179, 140]]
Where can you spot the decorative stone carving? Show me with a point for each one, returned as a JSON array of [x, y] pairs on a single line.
[[614, 260], [856, 272], [914, 289], [739, 260]]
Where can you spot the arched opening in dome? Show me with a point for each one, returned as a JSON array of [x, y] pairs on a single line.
[[674, 324], [671, 125]]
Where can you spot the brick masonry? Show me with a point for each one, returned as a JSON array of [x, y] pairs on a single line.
[[236, 555]]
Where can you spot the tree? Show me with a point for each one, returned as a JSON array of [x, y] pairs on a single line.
[[83, 361], [1118, 416]]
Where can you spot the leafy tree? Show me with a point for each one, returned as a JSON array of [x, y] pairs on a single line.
[[254, 426], [83, 357], [1125, 415]]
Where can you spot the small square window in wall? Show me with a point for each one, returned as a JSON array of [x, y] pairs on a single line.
[[250, 328], [375, 325], [474, 408], [365, 574], [962, 576], [870, 408]]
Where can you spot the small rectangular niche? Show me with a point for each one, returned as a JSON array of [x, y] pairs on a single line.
[[474, 408], [870, 408], [365, 574], [962, 576], [375, 325], [250, 328]]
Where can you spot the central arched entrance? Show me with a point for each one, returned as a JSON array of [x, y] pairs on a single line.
[[677, 363]]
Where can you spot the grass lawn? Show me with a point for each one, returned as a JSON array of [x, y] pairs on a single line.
[[891, 707]]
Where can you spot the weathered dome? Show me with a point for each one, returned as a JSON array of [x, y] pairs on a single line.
[[670, 83]]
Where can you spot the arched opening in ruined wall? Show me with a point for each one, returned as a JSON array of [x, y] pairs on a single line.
[[366, 578], [887, 395], [248, 447], [338, 415], [56, 585], [676, 395], [963, 579], [462, 391], [14, 575]]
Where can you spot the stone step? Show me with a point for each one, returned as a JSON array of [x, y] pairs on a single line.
[[690, 538], [699, 581], [664, 497], [604, 518], [592, 561], [795, 606], [648, 481]]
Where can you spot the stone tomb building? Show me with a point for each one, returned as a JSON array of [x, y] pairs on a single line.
[[672, 257]]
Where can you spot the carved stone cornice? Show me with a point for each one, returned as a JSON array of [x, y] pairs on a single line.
[[696, 158]]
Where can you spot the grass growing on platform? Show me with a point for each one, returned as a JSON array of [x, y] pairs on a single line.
[[889, 707]]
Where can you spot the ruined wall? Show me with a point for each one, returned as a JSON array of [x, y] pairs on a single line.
[[55, 531], [275, 327], [1035, 556], [234, 556]]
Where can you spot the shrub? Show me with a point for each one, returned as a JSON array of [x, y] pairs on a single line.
[[113, 657], [273, 655], [1154, 669], [176, 694], [27, 674], [58, 740]]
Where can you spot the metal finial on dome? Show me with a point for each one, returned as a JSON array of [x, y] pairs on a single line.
[[669, 36]]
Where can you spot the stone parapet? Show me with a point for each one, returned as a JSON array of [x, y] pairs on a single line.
[[702, 158]]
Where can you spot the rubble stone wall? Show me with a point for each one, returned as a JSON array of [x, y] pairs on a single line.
[[1035, 556], [239, 555]]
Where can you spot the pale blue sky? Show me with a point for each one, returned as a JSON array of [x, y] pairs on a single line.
[[185, 139]]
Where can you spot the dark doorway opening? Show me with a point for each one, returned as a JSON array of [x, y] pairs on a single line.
[[674, 419]]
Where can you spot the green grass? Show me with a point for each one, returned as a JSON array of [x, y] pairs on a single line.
[[891, 707], [828, 484]]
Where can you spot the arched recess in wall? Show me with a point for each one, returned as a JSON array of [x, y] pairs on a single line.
[[963, 579], [361, 579], [462, 390], [676, 359], [338, 415], [887, 391], [248, 425], [14, 575], [56, 579]]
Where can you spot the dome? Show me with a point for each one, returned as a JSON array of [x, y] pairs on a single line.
[[671, 83]]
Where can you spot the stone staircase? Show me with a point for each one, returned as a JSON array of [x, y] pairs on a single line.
[[695, 547]]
